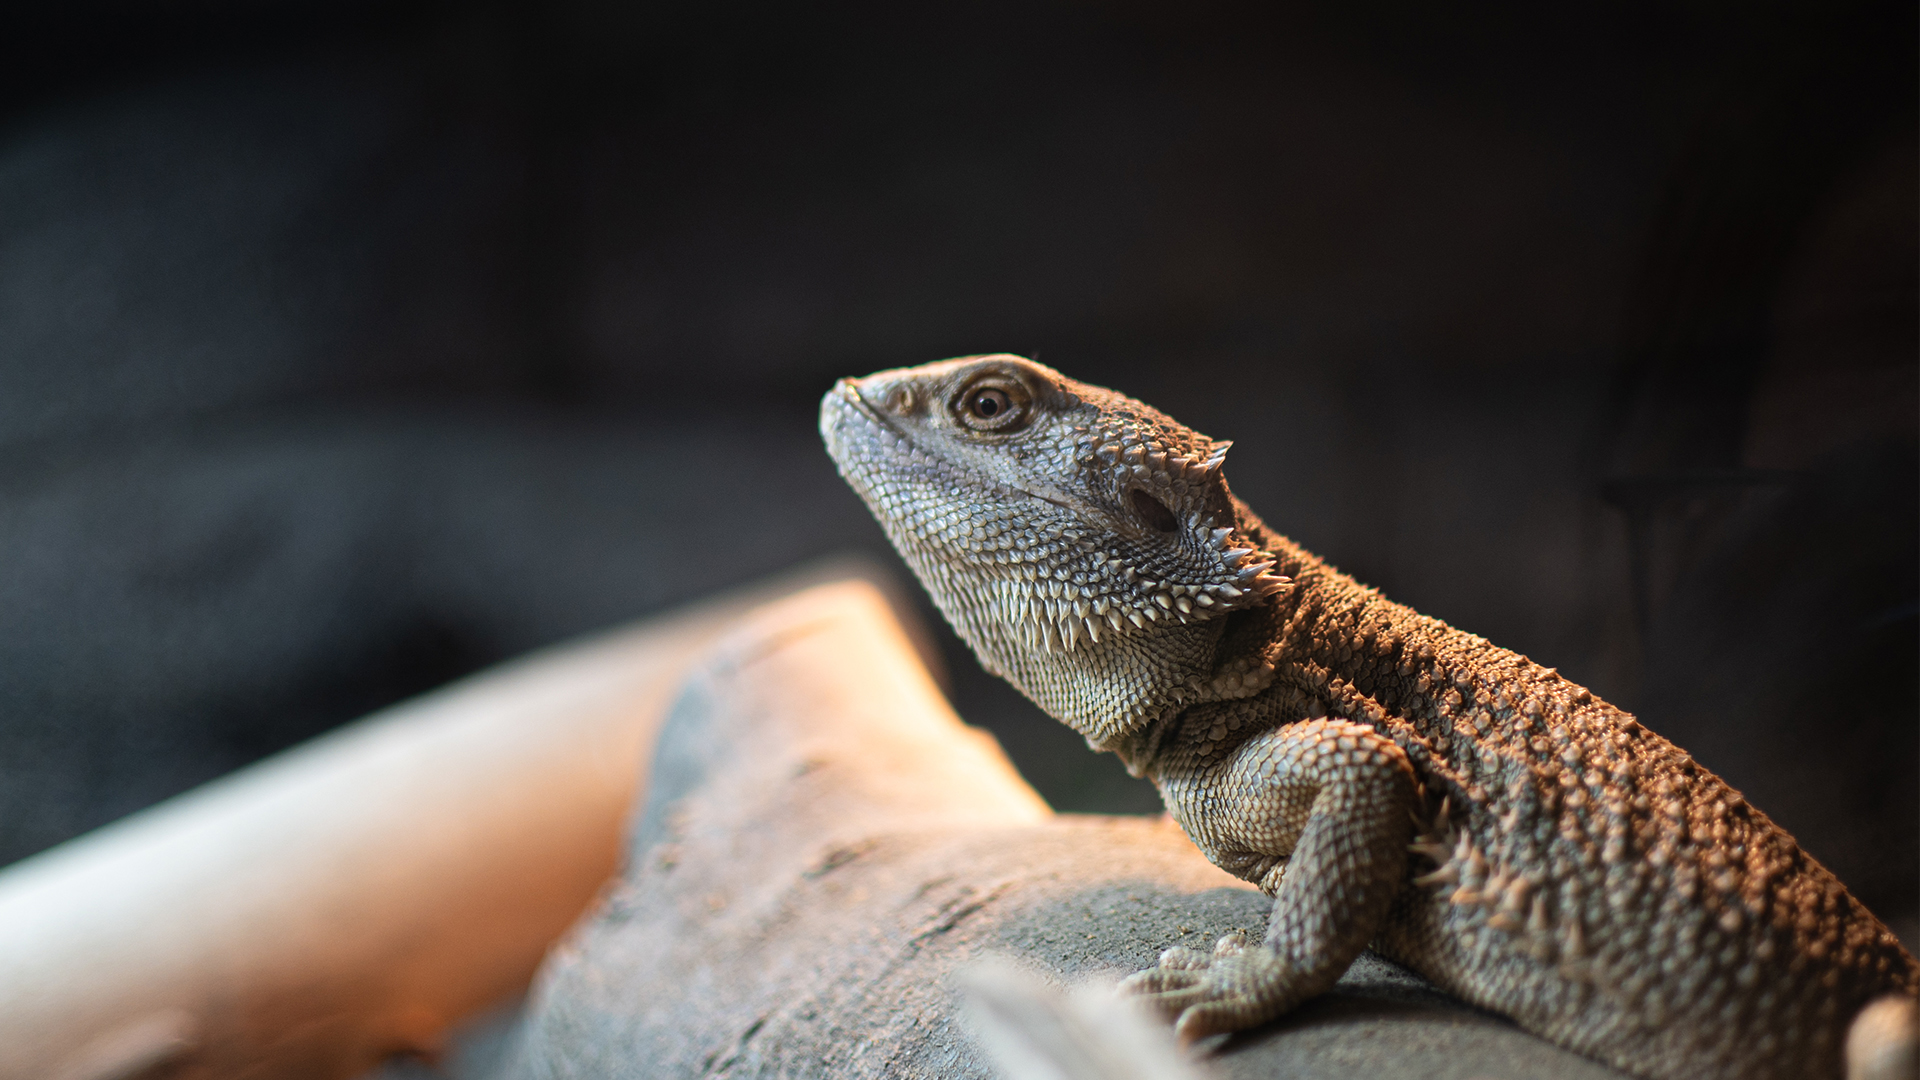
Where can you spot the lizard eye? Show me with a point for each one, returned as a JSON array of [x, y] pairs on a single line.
[[989, 403], [993, 406]]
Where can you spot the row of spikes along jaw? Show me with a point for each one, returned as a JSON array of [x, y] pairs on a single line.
[[1191, 570]]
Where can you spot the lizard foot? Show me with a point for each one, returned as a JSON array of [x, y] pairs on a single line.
[[1236, 987]]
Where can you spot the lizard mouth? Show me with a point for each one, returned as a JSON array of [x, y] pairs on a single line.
[[844, 398], [843, 389]]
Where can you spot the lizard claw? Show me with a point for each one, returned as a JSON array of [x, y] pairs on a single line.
[[1234, 988], [1230, 945]]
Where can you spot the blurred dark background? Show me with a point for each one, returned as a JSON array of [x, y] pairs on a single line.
[[347, 348]]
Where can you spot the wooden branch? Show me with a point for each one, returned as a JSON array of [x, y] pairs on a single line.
[[355, 896], [825, 849]]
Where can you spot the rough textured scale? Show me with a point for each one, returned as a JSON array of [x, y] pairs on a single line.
[[1385, 777]]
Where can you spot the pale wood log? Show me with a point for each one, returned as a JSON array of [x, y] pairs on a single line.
[[352, 897]]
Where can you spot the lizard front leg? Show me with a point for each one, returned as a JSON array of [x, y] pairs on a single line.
[[1318, 814]]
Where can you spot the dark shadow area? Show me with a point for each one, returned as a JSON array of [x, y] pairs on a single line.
[[345, 349]]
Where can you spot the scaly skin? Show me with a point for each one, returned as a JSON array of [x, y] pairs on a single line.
[[1386, 778]]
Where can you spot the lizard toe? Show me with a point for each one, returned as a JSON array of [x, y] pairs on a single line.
[[1206, 1018], [1173, 1002], [1185, 959], [1160, 981]]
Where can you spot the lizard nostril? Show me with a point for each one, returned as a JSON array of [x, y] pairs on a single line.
[[1153, 511], [900, 400]]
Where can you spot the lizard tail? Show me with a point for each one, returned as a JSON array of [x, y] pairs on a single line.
[[1884, 1041]]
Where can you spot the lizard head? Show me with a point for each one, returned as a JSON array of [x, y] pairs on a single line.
[[1084, 544]]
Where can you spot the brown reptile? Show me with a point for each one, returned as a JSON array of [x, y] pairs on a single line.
[[1388, 779]]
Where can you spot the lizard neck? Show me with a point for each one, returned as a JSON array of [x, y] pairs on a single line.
[[1341, 648], [1345, 644]]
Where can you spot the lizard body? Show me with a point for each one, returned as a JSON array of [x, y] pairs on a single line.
[[1388, 779]]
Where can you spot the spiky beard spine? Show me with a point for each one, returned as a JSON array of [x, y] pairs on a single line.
[[1080, 630]]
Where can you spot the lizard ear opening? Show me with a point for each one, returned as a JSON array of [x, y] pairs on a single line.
[[1152, 511]]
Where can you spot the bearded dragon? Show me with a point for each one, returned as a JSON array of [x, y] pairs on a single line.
[[1389, 780]]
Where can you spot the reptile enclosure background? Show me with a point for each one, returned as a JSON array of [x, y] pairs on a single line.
[[346, 348]]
